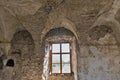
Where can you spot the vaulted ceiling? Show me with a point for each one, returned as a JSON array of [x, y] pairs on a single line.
[[33, 15]]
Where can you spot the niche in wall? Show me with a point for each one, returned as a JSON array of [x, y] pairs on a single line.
[[10, 63], [22, 41], [104, 52]]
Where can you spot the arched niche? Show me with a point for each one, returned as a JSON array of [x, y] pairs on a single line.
[[103, 35], [99, 31], [10, 63], [104, 51], [59, 35], [22, 40], [112, 24]]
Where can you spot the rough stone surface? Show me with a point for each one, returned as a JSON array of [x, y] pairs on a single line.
[[95, 24], [117, 16]]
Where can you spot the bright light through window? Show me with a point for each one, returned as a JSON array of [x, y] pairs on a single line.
[[65, 47], [55, 48], [61, 61]]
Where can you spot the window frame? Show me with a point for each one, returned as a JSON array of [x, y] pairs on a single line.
[[61, 53]]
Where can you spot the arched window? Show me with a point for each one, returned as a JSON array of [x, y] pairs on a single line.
[[10, 63], [60, 55]]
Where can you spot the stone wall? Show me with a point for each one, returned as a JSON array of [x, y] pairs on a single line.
[[94, 23]]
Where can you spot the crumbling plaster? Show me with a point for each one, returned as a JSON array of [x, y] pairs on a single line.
[[38, 17]]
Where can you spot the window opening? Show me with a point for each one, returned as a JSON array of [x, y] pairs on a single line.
[[60, 58]]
